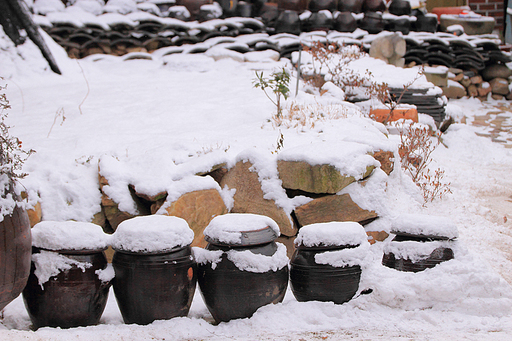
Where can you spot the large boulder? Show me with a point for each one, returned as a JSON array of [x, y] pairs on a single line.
[[248, 197], [333, 208], [198, 208], [496, 71]]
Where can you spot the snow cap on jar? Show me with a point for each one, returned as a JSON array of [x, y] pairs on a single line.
[[152, 234], [425, 225], [69, 235], [241, 229], [331, 234]]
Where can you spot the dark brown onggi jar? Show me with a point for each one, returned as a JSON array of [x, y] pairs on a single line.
[[326, 263], [421, 242], [15, 255], [242, 267], [154, 267], [70, 278]]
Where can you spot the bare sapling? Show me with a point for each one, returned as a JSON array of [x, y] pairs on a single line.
[[278, 83]]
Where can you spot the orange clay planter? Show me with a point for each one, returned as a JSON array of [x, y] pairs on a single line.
[[382, 115]]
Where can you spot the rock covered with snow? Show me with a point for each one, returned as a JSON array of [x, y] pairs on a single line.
[[150, 234], [69, 235], [425, 225], [233, 228], [332, 234]]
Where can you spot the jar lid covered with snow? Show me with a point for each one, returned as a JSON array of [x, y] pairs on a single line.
[[155, 269], [421, 242], [70, 277], [242, 267], [241, 229], [326, 265]]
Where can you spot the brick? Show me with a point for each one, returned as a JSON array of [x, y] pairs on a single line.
[[380, 115]]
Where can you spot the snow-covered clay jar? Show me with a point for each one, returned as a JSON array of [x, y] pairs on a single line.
[[154, 267], [70, 277], [421, 242], [326, 265], [242, 267], [15, 252]]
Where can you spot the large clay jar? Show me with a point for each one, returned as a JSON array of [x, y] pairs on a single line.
[[293, 5], [15, 254], [318, 21], [326, 265], [374, 6], [421, 242], [242, 268], [319, 5], [155, 271], [288, 22], [400, 7], [426, 23], [345, 22], [69, 279], [372, 22], [354, 6]]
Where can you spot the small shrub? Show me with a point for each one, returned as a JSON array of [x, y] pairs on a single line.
[[331, 63], [416, 147], [278, 83], [12, 156]]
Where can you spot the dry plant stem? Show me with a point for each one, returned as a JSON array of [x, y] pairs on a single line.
[[88, 88], [58, 113]]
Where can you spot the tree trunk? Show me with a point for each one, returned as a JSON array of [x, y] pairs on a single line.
[[14, 15]]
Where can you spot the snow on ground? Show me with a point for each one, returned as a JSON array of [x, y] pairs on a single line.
[[154, 122]]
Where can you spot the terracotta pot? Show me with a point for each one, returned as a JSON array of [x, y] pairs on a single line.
[[72, 298], [15, 255]]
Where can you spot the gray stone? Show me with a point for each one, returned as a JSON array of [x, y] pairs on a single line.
[[496, 71]]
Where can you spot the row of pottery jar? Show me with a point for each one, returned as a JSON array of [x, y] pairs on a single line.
[[154, 269]]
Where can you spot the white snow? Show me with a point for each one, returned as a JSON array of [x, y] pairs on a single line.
[[344, 257], [426, 225], [169, 118], [331, 234], [228, 228], [69, 235], [48, 264], [414, 250], [252, 262], [154, 233]]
